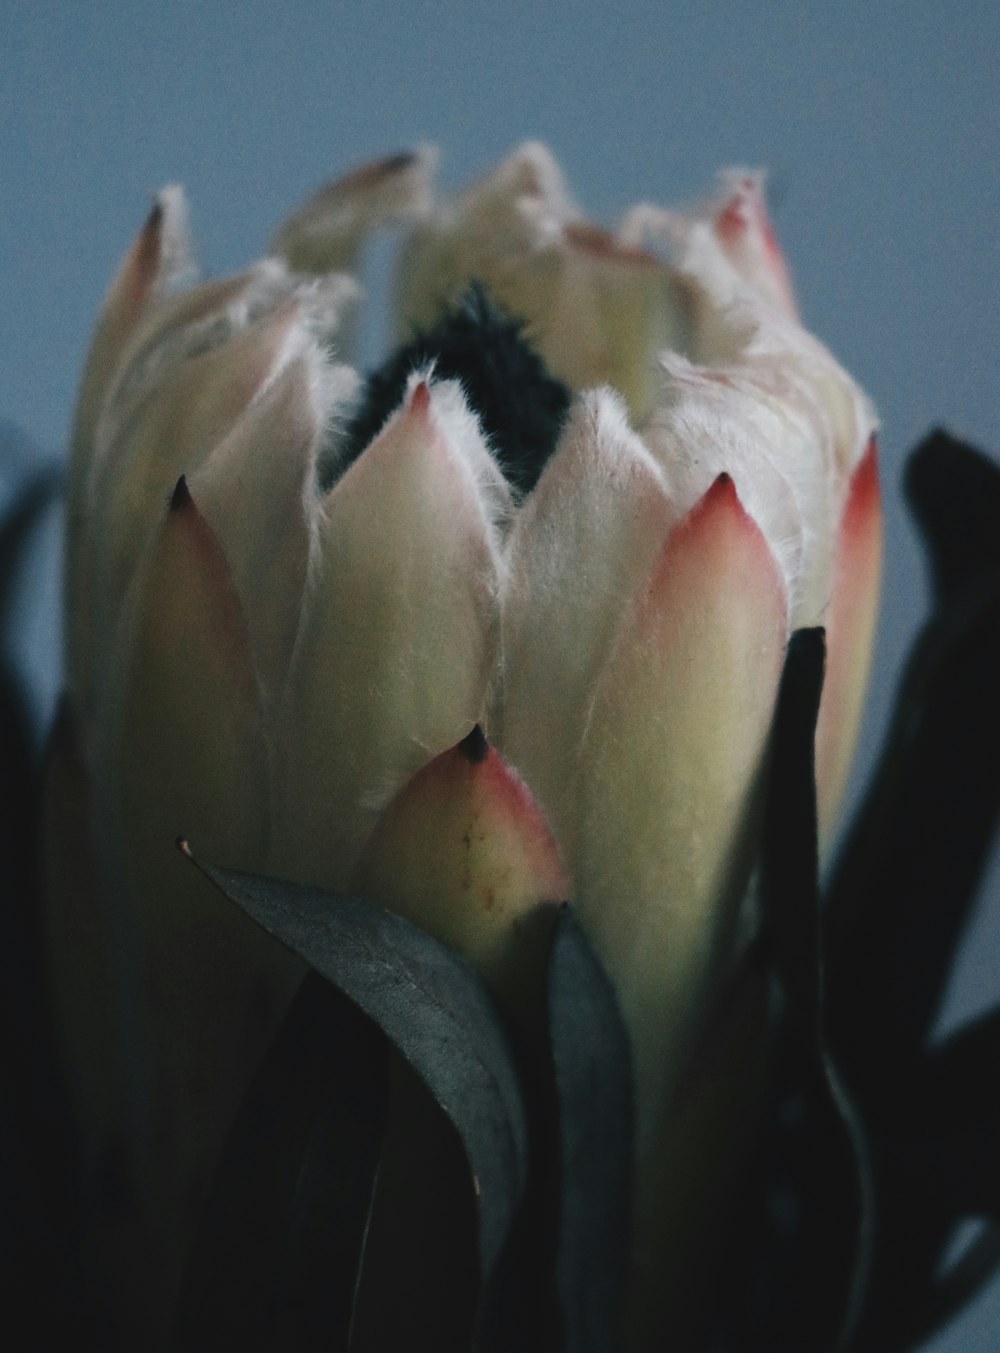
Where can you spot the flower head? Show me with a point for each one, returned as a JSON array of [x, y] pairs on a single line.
[[502, 625]]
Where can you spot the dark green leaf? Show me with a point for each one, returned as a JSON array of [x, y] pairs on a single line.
[[935, 1142], [41, 1254], [949, 1123], [899, 901], [421, 1260], [276, 1262], [818, 1161], [957, 1283], [908, 874], [789, 853], [592, 1060], [431, 1006], [954, 492]]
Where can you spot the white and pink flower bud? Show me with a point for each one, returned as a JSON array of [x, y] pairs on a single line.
[[295, 655]]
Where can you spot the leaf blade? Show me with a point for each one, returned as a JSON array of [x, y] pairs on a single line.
[[430, 1005]]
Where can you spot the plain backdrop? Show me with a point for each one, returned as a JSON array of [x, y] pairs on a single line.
[[877, 120]]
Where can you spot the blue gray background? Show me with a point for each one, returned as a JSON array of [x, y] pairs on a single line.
[[878, 122]]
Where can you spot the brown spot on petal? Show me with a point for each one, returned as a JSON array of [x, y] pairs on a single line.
[[464, 852]]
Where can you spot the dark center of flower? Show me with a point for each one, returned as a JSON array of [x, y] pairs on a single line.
[[521, 407]]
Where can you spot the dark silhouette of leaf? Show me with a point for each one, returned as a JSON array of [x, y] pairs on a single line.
[[432, 1007], [954, 493], [935, 1137], [908, 874], [560, 1284], [40, 1249], [899, 902], [789, 854], [279, 1248], [592, 1060], [811, 1283], [420, 1280], [951, 1122]]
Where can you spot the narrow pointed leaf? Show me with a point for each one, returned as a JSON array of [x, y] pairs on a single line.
[[934, 1141], [41, 1248], [899, 902], [430, 1005], [956, 1120], [420, 1280], [954, 492], [592, 1060], [908, 874], [822, 1155], [938, 1166], [276, 1261], [790, 859]]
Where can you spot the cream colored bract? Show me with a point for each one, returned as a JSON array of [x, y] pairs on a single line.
[[283, 674]]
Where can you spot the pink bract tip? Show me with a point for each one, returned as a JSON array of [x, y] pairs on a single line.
[[420, 400]]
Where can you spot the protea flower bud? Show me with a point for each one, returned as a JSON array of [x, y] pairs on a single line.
[[459, 668]]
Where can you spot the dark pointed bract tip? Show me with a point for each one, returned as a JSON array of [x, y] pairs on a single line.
[[150, 240], [181, 495], [372, 172], [181, 843], [402, 159], [474, 747]]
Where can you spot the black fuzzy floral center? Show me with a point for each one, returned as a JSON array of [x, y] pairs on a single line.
[[521, 406]]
